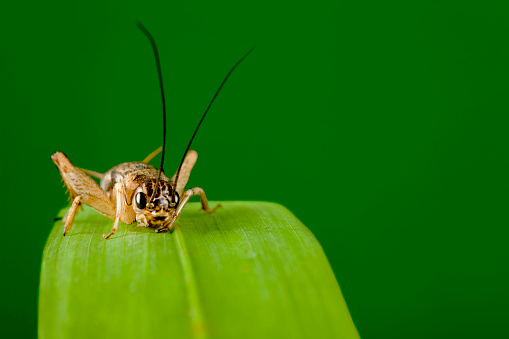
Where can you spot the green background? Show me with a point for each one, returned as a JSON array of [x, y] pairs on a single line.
[[382, 125]]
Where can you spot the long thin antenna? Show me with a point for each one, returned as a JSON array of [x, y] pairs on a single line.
[[158, 64], [204, 114]]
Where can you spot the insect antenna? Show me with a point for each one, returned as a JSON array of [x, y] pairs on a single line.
[[204, 114], [158, 64]]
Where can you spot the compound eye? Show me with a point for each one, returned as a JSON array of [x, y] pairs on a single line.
[[175, 201], [141, 200]]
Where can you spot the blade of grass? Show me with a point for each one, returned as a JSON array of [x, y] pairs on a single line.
[[250, 270]]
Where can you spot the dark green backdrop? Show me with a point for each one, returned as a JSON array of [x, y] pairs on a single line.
[[382, 125]]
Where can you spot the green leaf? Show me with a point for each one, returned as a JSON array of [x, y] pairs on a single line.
[[250, 270]]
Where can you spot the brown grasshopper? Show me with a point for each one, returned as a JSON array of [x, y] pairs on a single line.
[[136, 191]]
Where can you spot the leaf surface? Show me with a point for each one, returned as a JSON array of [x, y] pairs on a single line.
[[250, 270]]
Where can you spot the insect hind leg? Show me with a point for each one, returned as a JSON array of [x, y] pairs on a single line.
[[82, 189]]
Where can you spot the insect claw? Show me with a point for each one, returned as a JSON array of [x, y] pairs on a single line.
[[162, 230], [211, 210]]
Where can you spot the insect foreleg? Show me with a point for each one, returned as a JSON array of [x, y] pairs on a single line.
[[183, 201]]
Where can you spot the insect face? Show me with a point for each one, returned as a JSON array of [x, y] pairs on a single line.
[[159, 210]]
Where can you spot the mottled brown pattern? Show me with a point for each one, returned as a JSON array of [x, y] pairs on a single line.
[[131, 175]]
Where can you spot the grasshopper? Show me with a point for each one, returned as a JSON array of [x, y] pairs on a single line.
[[136, 191]]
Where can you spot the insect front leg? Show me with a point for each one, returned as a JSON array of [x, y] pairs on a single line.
[[183, 201]]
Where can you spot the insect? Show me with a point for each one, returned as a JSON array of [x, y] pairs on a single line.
[[137, 191]]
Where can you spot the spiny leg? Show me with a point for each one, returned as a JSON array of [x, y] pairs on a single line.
[[93, 173], [152, 155], [183, 201], [82, 189], [185, 171], [69, 217], [118, 191]]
